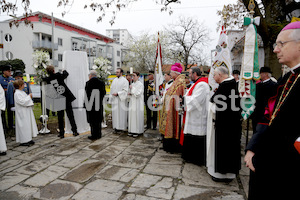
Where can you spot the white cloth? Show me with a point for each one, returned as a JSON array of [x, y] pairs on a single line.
[[167, 86], [196, 110], [76, 64], [210, 142], [119, 115], [3, 147], [136, 108], [25, 122]]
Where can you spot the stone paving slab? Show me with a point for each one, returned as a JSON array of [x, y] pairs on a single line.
[[39, 165], [58, 189], [132, 161], [163, 170], [195, 175], [11, 179], [46, 176], [76, 158], [84, 171], [117, 173]]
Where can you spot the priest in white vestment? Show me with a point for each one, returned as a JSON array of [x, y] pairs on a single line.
[[3, 147], [25, 121], [119, 91], [195, 119], [136, 107]]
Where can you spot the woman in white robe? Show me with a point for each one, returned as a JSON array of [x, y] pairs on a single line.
[[25, 121], [3, 147], [136, 107]]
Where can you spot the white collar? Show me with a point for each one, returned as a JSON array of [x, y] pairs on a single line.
[[295, 67], [228, 79], [266, 80]]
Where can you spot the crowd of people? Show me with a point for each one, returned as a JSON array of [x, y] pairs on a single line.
[[205, 127]]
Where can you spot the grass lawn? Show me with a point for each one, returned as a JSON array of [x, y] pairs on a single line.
[[37, 110]]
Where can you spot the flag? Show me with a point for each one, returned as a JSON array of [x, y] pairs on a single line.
[[159, 78], [221, 58], [249, 68]]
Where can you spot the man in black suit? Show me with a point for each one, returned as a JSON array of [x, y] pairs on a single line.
[[264, 90], [95, 92], [57, 81], [149, 88]]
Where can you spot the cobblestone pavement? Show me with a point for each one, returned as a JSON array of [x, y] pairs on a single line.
[[113, 167]]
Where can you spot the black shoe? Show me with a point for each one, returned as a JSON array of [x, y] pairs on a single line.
[[225, 180], [92, 138], [31, 142], [61, 136], [75, 134], [25, 144], [3, 153]]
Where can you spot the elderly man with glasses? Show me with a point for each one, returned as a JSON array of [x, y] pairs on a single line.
[[274, 155]]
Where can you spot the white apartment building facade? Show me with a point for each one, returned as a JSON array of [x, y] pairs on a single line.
[[121, 36], [20, 42]]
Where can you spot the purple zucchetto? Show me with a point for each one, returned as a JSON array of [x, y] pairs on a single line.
[[177, 67], [293, 25]]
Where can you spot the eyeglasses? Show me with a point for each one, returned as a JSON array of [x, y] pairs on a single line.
[[280, 44]]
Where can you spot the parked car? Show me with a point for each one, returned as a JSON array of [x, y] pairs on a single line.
[[36, 92]]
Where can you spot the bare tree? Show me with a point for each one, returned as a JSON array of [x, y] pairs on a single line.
[[142, 51], [113, 6], [187, 37]]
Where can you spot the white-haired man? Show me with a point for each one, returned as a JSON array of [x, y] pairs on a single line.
[[274, 155], [224, 158], [95, 92]]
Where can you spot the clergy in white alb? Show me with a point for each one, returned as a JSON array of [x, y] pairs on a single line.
[[195, 119], [119, 91], [3, 147], [136, 107], [25, 121]]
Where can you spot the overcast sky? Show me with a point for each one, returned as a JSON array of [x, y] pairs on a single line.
[[140, 16]]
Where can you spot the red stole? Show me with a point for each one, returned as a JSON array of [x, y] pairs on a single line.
[[203, 79]]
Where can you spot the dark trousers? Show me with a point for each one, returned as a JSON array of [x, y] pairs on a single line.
[[3, 117], [151, 117], [96, 129], [70, 114], [7, 121]]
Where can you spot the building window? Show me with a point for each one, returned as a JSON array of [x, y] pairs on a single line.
[[118, 64], [9, 55], [60, 57], [74, 46], [8, 37], [118, 53], [60, 42]]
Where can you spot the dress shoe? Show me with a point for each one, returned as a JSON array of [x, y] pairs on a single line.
[[31, 142], [92, 138], [75, 134], [3, 153], [225, 180], [26, 144]]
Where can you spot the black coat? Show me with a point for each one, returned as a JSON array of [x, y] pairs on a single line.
[[227, 130], [57, 80], [276, 161], [263, 92], [94, 114]]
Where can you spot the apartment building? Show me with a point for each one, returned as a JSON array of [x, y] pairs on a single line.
[[57, 37]]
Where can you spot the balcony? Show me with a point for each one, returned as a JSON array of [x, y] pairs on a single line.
[[44, 44]]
